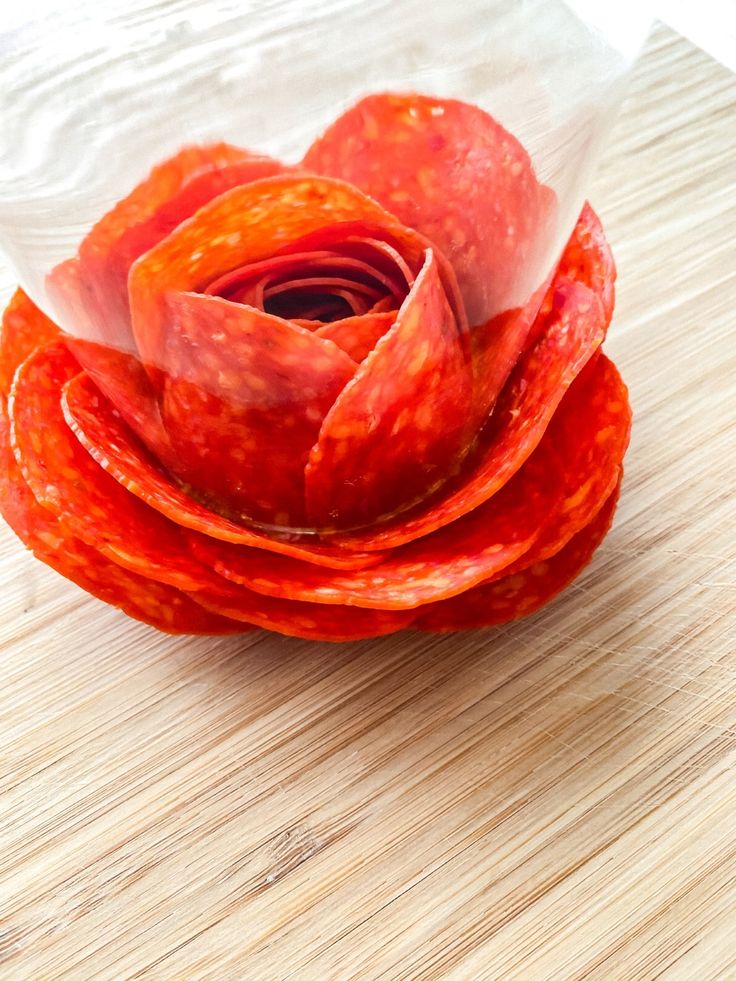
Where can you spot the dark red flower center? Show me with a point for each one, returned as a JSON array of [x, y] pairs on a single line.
[[361, 276]]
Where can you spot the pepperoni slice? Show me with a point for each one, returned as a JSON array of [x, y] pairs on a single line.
[[309, 620], [573, 331], [98, 426], [117, 372], [450, 171], [24, 329], [588, 259], [401, 426], [122, 378], [88, 503], [522, 592], [357, 336], [244, 399], [154, 603], [496, 347], [90, 292], [172, 192], [443, 564], [591, 431]]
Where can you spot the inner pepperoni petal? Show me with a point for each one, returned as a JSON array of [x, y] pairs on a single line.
[[244, 398], [357, 336], [572, 333], [449, 170], [400, 428], [292, 295], [88, 503], [398, 250], [245, 225], [242, 284]]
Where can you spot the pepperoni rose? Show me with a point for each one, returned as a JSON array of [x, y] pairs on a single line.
[[330, 400]]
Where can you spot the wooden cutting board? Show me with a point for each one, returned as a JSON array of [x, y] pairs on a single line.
[[556, 799]]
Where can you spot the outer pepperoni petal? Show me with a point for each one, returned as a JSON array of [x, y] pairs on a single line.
[[524, 592], [496, 346], [116, 369], [172, 192], [401, 426], [88, 503], [99, 428], [309, 620], [573, 331], [591, 431], [154, 603], [452, 172], [498, 343], [24, 329], [244, 399], [123, 380], [450, 561]]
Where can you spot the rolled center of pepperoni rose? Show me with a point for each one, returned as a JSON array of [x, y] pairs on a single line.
[[313, 369]]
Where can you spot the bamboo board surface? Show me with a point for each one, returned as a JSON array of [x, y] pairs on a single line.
[[552, 800]]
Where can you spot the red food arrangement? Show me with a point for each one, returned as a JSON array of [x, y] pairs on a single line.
[[328, 400]]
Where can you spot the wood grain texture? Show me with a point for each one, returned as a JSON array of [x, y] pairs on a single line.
[[554, 800]]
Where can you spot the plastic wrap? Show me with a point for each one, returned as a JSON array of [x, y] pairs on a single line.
[[311, 305]]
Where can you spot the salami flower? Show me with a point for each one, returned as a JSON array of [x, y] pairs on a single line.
[[329, 400]]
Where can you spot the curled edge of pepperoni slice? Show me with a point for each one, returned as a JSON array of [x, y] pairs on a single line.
[[23, 330], [311, 621], [592, 434], [587, 258], [160, 606], [357, 336], [448, 562], [87, 502], [100, 429], [525, 591]]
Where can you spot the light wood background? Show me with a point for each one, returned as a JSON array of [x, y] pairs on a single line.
[[554, 800]]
